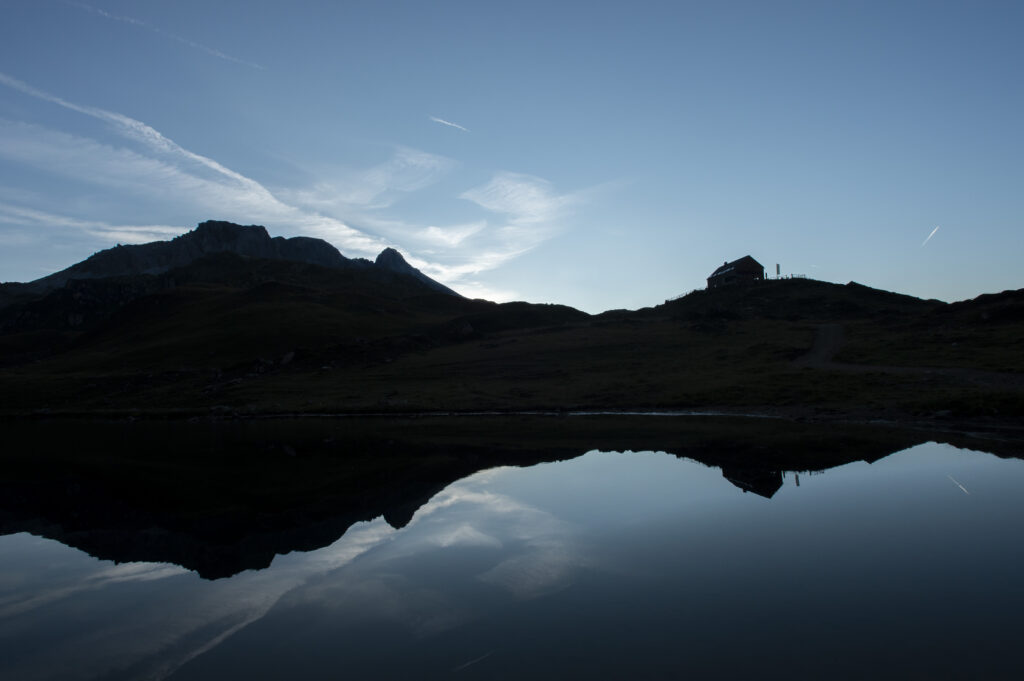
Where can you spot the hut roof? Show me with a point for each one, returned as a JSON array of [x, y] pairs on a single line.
[[744, 263]]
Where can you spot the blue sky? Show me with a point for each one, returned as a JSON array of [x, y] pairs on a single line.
[[598, 155]]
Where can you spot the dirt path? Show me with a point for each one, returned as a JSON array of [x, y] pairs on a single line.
[[831, 338], [827, 343]]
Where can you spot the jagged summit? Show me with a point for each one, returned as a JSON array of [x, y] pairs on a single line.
[[217, 236], [391, 260]]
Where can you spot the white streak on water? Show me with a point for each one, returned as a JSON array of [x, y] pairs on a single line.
[[471, 662], [957, 483]]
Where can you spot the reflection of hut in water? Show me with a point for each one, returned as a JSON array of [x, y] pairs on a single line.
[[760, 481]]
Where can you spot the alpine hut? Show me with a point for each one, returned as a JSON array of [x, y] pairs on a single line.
[[743, 270]]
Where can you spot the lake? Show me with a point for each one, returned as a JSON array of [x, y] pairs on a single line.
[[626, 564]]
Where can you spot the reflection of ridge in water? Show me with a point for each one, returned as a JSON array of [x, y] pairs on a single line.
[[220, 499], [517, 572]]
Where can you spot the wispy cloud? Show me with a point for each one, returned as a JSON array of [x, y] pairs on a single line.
[[522, 212], [461, 265], [359, 211], [163, 171], [474, 288], [533, 212], [448, 123], [929, 237], [526, 199], [408, 170], [126, 234], [167, 34], [453, 235]]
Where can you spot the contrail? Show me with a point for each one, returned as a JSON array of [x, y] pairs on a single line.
[[134, 129], [930, 236], [448, 123], [167, 34]]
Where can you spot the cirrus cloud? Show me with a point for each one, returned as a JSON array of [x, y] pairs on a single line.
[[125, 166]]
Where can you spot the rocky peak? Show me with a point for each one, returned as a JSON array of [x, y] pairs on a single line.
[[391, 260], [222, 230]]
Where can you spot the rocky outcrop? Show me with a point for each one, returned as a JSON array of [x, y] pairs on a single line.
[[392, 261], [208, 238]]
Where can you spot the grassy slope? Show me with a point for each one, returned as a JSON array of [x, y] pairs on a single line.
[[266, 337], [984, 333]]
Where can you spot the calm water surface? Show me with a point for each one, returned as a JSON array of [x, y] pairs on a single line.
[[612, 565]]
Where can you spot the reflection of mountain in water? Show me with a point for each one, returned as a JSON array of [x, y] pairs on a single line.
[[222, 498]]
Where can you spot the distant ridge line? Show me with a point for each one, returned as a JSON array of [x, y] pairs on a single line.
[[217, 236]]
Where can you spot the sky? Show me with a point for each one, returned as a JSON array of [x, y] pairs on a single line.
[[599, 155]]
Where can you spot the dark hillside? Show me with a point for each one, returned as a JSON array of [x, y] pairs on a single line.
[[224, 309], [15, 292], [183, 337], [990, 308], [88, 310], [519, 315], [985, 333], [234, 334], [794, 300]]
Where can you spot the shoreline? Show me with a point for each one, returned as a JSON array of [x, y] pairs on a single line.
[[1009, 428]]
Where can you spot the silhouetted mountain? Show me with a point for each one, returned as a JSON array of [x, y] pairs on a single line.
[[223, 309], [41, 316], [212, 237]]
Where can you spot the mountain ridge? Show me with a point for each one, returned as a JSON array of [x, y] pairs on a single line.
[[253, 333], [218, 236]]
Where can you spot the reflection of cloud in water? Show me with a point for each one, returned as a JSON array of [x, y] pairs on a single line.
[[539, 550], [373, 573], [465, 535], [256, 592], [544, 567], [458, 494], [373, 593], [177, 621], [359, 539], [125, 572], [425, 582], [138, 572]]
